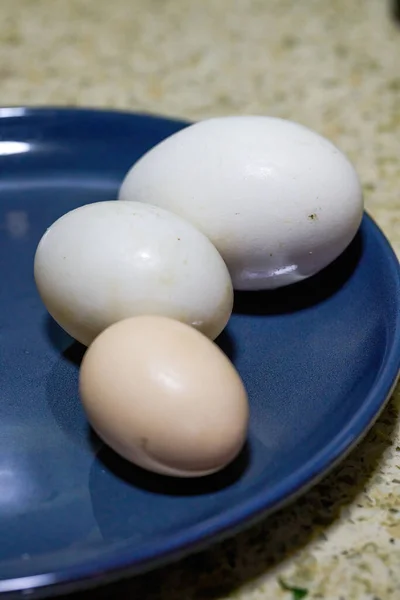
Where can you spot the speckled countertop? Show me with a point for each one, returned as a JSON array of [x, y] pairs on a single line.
[[330, 64]]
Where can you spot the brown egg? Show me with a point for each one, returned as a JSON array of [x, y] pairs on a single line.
[[164, 396]]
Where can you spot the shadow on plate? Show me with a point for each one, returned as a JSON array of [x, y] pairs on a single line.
[[63, 343], [62, 388], [172, 486], [132, 505], [305, 294], [226, 343]]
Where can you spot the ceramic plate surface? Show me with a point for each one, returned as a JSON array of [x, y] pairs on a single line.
[[319, 360]]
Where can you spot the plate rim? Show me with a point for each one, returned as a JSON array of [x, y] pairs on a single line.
[[106, 569]]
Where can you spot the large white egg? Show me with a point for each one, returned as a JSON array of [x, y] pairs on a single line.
[[164, 397], [277, 200], [107, 261]]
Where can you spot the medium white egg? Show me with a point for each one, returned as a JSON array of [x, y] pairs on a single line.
[[277, 200], [107, 261], [164, 397]]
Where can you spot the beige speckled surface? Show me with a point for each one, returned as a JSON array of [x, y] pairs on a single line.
[[330, 64]]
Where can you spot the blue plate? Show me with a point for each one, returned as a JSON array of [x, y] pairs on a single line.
[[319, 360]]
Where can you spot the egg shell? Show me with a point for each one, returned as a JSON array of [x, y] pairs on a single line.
[[164, 396], [277, 200], [107, 261]]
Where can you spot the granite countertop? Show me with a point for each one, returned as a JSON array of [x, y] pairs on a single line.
[[331, 65]]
